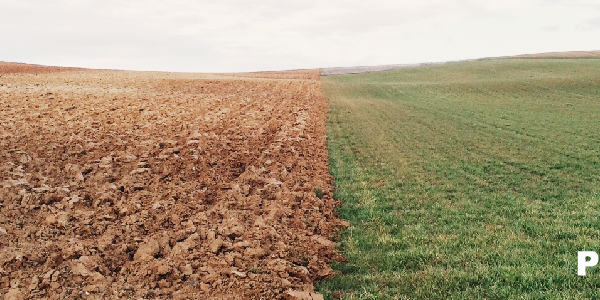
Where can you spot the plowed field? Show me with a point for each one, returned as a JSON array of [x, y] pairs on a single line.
[[123, 185]]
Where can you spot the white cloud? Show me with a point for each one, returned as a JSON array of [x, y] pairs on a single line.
[[236, 35]]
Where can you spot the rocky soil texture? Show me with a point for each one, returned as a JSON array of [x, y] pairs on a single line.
[[127, 185]]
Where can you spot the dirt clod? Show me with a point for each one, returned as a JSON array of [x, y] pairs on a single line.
[[14, 294], [302, 295], [146, 251]]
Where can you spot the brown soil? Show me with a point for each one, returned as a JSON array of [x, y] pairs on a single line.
[[8, 67], [126, 185]]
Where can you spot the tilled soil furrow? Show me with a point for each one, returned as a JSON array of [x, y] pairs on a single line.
[[128, 185]]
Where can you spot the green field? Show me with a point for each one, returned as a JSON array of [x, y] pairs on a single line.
[[470, 180]]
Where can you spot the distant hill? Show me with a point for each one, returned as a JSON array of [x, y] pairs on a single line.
[[570, 54], [12, 67], [380, 68]]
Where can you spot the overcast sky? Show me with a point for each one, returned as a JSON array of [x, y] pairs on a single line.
[[242, 35]]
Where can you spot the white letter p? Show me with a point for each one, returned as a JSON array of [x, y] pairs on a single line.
[[582, 263]]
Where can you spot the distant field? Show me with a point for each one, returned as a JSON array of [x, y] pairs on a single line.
[[473, 180], [370, 69], [571, 54]]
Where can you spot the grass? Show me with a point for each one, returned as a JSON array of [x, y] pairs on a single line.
[[471, 180]]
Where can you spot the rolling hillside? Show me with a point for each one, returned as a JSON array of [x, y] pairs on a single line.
[[472, 180]]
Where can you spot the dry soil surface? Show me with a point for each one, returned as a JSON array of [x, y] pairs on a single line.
[[128, 185]]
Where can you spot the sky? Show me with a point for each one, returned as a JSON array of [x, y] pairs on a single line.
[[269, 35]]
